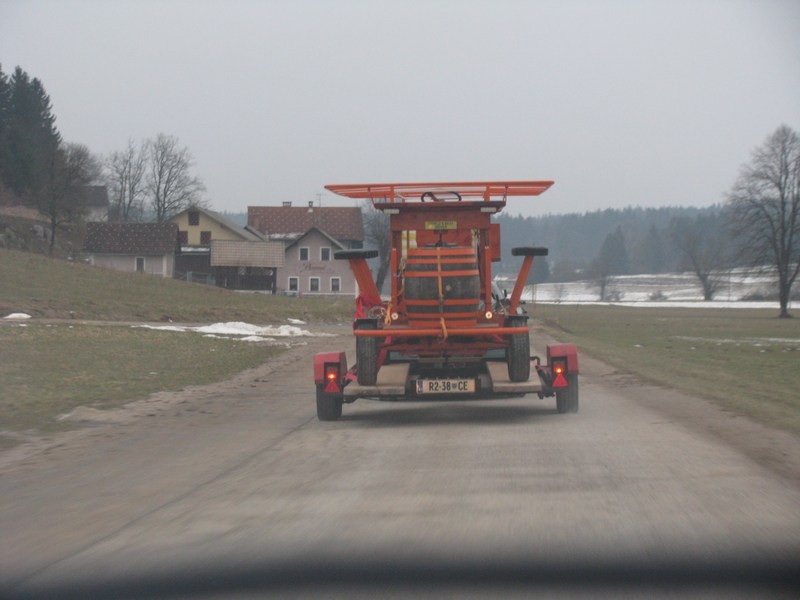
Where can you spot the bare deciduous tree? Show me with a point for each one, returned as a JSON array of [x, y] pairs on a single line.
[[71, 168], [170, 184], [125, 176], [764, 206], [612, 260], [704, 248], [377, 235]]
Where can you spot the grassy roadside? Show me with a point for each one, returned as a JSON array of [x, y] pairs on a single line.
[[47, 370], [57, 289], [745, 360]]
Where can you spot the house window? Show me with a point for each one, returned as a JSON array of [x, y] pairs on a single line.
[[304, 254], [293, 284], [140, 264], [205, 237], [194, 217], [183, 238], [336, 284], [325, 253], [313, 284]]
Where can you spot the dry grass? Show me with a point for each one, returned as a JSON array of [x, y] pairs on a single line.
[[52, 288], [48, 370], [746, 360]]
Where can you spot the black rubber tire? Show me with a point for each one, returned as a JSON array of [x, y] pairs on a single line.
[[367, 359], [567, 398], [519, 352], [329, 406]]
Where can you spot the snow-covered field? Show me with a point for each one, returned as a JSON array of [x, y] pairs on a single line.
[[663, 290]]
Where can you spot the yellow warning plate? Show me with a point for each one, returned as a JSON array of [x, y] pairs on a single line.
[[441, 225]]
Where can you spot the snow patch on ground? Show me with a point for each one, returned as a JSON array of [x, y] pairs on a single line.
[[17, 316], [238, 330], [754, 341]]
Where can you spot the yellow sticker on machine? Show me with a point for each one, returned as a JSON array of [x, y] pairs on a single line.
[[441, 225]]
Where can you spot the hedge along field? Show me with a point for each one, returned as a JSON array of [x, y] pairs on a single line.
[[745, 360]]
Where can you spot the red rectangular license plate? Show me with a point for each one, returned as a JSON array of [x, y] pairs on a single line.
[[445, 386]]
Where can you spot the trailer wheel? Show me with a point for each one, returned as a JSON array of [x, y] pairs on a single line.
[[329, 406], [519, 353], [567, 398], [367, 358]]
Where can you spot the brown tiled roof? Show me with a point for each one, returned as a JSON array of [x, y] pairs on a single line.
[[342, 222], [234, 253], [131, 238]]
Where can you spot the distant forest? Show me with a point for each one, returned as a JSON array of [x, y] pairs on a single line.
[[640, 240], [636, 240]]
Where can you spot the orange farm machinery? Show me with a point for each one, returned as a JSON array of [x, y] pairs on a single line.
[[446, 331]]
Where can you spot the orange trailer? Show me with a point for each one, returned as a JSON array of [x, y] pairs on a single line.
[[445, 330]]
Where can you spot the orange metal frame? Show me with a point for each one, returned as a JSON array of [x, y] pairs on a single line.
[[405, 192], [412, 206]]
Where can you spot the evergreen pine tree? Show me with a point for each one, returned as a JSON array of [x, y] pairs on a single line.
[[5, 111], [32, 137]]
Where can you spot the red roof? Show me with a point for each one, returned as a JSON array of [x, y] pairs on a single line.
[[341, 222]]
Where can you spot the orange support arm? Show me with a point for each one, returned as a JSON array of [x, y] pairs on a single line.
[[364, 277], [524, 271], [522, 278], [358, 264]]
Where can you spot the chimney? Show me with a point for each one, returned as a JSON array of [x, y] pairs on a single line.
[[310, 204], [287, 204]]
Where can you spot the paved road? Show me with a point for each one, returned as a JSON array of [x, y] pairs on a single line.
[[244, 472]]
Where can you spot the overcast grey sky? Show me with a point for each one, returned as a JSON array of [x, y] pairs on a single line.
[[621, 102]]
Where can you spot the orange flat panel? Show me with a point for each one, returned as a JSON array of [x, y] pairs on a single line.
[[404, 192]]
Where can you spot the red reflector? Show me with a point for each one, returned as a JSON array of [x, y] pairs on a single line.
[[560, 381], [332, 375]]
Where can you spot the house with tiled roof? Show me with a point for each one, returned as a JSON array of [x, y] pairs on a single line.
[[133, 247], [312, 234], [215, 249], [198, 226]]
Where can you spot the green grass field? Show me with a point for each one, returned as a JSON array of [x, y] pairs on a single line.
[[745, 360]]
